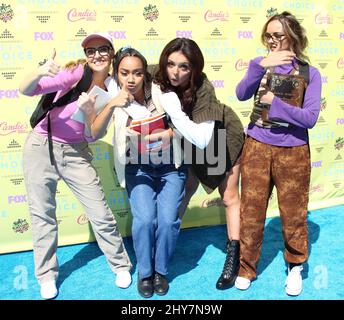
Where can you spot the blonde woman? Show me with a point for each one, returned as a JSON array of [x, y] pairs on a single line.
[[57, 148]]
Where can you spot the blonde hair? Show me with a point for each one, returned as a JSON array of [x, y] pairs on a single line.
[[74, 64], [295, 33]]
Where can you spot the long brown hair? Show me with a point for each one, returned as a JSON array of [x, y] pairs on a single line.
[[295, 33], [193, 53]]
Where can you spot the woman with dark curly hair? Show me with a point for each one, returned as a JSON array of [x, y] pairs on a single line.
[[215, 131]]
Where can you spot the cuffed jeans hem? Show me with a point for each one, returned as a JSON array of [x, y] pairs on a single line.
[[162, 273], [143, 276]]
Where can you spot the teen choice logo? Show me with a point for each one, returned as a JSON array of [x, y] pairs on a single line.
[[20, 225], [271, 12], [151, 13], [6, 13], [339, 144]]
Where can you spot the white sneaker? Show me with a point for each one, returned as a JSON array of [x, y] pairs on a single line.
[[242, 283], [123, 279], [48, 290], [293, 284]]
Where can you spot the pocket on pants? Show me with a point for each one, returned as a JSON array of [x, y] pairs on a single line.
[[32, 143], [80, 150]]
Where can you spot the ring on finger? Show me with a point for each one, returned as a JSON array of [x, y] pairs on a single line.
[[42, 62]]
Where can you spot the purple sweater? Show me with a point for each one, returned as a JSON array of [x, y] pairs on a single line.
[[302, 118]]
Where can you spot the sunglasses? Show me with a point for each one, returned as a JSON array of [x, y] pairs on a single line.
[[274, 36], [102, 50]]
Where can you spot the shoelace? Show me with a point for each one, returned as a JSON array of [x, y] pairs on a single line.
[[229, 262], [295, 271]]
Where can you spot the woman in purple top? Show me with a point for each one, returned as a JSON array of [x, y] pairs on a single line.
[[276, 151], [69, 159]]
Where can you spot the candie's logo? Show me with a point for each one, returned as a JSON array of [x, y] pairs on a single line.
[[211, 16], [340, 63], [6, 12], [151, 12], [20, 226], [339, 144], [8, 128], [323, 19], [316, 188], [82, 219], [217, 202], [241, 65], [77, 15]]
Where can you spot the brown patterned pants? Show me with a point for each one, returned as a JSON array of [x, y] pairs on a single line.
[[262, 167]]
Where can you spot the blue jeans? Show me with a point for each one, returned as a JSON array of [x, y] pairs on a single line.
[[155, 194]]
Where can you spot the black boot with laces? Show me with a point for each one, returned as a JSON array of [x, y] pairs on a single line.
[[231, 266]]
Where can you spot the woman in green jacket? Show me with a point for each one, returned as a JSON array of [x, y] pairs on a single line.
[[212, 127]]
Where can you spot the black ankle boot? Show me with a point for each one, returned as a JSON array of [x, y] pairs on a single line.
[[231, 266]]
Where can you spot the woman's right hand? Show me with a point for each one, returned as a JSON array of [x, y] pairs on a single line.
[[277, 58], [49, 68], [123, 99], [86, 103]]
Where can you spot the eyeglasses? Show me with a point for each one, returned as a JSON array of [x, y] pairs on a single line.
[[103, 51], [274, 36]]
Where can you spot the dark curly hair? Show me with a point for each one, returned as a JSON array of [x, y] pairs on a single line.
[[193, 53]]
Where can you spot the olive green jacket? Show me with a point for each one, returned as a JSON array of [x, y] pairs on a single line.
[[207, 108]]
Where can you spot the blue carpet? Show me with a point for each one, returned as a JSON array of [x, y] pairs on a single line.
[[196, 265]]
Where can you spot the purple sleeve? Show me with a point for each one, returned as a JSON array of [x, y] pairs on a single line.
[[306, 116], [64, 80], [249, 84]]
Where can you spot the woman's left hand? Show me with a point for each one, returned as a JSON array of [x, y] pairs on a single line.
[[267, 97], [159, 135], [162, 139]]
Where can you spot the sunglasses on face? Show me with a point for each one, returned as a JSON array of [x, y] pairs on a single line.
[[102, 50], [274, 36]]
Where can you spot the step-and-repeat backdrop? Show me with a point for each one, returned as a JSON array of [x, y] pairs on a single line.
[[228, 32]]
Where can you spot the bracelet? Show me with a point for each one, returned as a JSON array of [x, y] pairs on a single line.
[[42, 62]]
